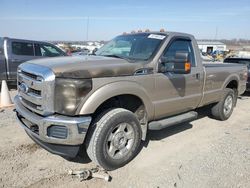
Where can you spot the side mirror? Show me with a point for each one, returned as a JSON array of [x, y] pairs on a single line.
[[179, 64], [182, 64]]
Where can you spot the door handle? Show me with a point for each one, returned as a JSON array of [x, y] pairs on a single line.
[[197, 76]]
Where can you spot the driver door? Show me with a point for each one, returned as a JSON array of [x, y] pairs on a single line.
[[177, 93]]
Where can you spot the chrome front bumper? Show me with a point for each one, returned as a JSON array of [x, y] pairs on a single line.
[[67, 130]]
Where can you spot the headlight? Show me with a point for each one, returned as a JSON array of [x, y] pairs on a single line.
[[69, 92]]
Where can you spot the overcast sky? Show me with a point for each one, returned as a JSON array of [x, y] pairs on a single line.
[[68, 19]]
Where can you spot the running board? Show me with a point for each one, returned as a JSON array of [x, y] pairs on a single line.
[[161, 124]]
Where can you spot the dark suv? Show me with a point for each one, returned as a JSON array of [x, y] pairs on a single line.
[[13, 52], [245, 61]]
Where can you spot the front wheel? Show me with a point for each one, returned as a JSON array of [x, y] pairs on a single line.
[[114, 138], [223, 109]]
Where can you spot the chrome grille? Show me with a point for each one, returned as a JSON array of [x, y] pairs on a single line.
[[32, 76], [36, 88], [35, 92], [31, 104]]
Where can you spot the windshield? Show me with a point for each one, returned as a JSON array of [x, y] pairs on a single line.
[[134, 47]]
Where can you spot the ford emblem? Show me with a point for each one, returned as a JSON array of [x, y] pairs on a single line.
[[23, 88]]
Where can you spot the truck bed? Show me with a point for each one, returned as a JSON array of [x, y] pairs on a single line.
[[215, 75], [220, 64]]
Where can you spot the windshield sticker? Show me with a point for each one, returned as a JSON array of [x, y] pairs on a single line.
[[154, 36]]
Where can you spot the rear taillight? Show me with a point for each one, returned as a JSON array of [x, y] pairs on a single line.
[[245, 75]]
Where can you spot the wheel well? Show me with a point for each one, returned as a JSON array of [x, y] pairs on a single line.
[[232, 85], [130, 102]]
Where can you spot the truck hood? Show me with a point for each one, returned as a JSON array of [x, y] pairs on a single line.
[[88, 66]]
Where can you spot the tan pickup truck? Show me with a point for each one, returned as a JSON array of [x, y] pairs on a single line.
[[107, 101]]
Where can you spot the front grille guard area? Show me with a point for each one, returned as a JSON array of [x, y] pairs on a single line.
[[55, 129], [59, 132], [29, 104], [29, 125], [36, 88], [35, 108]]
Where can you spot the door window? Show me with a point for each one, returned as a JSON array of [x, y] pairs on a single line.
[[47, 50], [22, 48], [177, 46]]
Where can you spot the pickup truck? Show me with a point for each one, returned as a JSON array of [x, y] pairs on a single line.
[[108, 101], [13, 52], [244, 61]]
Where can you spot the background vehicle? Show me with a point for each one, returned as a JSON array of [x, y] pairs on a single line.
[[243, 61], [81, 52], [13, 52], [135, 82]]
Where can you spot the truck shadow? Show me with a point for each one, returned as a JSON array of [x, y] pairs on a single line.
[[175, 129], [167, 132], [82, 157], [245, 95]]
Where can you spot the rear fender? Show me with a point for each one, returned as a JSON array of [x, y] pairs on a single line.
[[231, 78]]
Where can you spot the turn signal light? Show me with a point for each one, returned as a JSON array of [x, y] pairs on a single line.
[[187, 66]]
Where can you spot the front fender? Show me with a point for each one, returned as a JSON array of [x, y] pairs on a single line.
[[110, 90]]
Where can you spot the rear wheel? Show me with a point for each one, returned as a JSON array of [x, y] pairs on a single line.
[[223, 109], [114, 138]]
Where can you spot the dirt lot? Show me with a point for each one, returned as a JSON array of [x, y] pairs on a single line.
[[202, 153]]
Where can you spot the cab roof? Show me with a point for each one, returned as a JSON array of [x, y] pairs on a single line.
[[167, 33]]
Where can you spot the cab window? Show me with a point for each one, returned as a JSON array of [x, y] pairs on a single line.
[[47, 50], [179, 46], [22, 48]]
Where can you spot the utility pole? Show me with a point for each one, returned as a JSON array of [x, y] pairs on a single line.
[[216, 33], [87, 32]]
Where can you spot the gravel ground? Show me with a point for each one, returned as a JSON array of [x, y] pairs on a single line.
[[202, 153]]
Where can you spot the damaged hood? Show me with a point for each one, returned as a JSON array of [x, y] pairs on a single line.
[[88, 66]]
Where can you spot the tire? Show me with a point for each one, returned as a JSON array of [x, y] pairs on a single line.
[[224, 109], [114, 138]]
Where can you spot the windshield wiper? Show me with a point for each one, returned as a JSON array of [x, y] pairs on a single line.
[[117, 56], [113, 55]]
